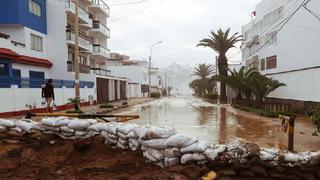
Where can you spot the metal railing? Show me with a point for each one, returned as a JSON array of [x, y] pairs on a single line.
[[96, 48], [97, 25], [102, 5], [82, 13], [83, 42], [100, 71]]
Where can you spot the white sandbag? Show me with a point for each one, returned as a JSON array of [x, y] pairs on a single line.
[[149, 157], [50, 128], [181, 140], [91, 121], [192, 157], [66, 129], [157, 154], [103, 126], [269, 154], [213, 153], [140, 131], [168, 162], [134, 144], [78, 125], [94, 127], [156, 132], [83, 136], [38, 127], [122, 146], [113, 136], [7, 123], [17, 129], [112, 128], [2, 128], [126, 136], [64, 122], [122, 135], [51, 121], [123, 141], [172, 153], [155, 143], [112, 141], [25, 125], [80, 133], [200, 147], [126, 128], [104, 134], [66, 134]]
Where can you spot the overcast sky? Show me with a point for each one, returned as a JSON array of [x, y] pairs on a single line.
[[180, 24]]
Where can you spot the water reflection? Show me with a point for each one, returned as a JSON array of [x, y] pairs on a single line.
[[217, 124]]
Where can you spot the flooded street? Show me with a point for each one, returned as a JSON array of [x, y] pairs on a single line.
[[222, 124]]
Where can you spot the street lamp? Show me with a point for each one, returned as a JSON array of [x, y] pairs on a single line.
[[150, 66]]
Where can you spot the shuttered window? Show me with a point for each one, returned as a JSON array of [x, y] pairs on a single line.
[[36, 42], [272, 62], [34, 8]]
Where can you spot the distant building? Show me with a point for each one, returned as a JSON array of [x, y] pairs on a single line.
[[37, 42], [286, 50]]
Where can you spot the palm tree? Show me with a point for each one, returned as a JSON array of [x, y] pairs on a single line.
[[240, 81], [221, 42], [203, 71], [262, 86]]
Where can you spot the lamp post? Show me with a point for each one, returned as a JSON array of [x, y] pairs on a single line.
[[149, 94]]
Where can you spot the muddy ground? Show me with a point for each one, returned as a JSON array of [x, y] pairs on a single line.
[[87, 159]]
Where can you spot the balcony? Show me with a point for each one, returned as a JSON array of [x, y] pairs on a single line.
[[99, 6], [99, 30], [83, 15], [101, 72], [85, 69], [101, 51], [83, 43]]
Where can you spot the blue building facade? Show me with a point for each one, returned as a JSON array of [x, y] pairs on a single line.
[[16, 12]]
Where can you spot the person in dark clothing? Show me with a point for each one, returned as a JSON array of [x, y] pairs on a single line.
[[48, 94]]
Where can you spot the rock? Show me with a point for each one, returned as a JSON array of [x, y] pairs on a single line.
[[227, 172], [246, 173], [259, 171]]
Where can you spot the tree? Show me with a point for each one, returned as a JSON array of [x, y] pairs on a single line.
[[203, 71], [196, 86], [221, 42]]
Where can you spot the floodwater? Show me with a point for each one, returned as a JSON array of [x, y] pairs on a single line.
[[220, 124]]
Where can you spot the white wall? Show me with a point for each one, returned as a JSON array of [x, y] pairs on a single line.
[[134, 74], [16, 99]]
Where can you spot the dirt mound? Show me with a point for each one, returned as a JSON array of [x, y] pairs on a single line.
[[86, 159]]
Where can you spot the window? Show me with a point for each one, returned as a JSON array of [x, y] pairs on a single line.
[[263, 64], [70, 57], [4, 69], [36, 75], [34, 8], [16, 72], [83, 60], [36, 42], [272, 62]]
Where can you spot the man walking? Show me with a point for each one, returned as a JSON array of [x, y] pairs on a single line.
[[48, 94]]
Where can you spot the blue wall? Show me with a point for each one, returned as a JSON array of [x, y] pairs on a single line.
[[16, 12]]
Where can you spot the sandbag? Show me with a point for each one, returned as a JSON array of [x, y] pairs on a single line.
[[160, 164], [25, 125], [200, 147], [7, 123], [134, 144], [112, 128], [180, 140], [192, 157], [80, 133], [122, 146], [155, 143], [2, 128], [52, 121], [17, 129], [50, 128], [149, 157], [66, 129], [140, 131], [64, 122], [78, 125], [123, 141], [172, 153], [126, 128], [156, 132], [213, 153], [157, 154], [168, 162], [94, 127]]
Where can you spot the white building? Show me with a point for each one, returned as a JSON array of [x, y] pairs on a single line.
[[37, 42], [286, 48]]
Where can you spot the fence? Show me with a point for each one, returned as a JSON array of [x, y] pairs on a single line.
[[266, 106], [21, 82]]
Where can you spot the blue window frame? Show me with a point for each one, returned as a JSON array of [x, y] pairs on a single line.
[[37, 79], [4, 69]]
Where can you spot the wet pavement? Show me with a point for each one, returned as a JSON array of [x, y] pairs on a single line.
[[220, 124]]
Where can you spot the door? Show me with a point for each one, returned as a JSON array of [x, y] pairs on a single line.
[[102, 90]]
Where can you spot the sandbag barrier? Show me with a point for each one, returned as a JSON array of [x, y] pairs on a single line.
[[161, 146]]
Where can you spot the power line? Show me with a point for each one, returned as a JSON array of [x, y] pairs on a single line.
[[310, 11]]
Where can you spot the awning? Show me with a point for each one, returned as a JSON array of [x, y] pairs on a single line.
[[21, 59]]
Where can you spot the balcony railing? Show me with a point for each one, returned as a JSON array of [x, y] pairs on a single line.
[[82, 42], [82, 68], [100, 71], [102, 5], [81, 12], [99, 49], [98, 26]]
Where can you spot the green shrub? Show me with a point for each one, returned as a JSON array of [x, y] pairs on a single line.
[[315, 116], [155, 95], [262, 112], [107, 105], [212, 96]]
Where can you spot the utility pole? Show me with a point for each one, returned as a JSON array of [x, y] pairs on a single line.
[[76, 51], [149, 94]]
